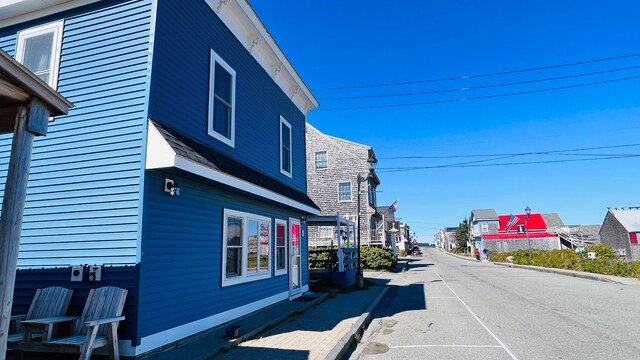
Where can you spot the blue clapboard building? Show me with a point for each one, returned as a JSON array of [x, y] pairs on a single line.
[[179, 174]]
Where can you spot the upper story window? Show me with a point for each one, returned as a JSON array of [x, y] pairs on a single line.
[[38, 49], [372, 193], [321, 160], [344, 191], [285, 147], [485, 228], [222, 98]]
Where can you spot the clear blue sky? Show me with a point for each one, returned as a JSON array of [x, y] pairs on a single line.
[[346, 43]]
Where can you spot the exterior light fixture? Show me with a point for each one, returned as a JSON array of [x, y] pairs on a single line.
[[171, 187]]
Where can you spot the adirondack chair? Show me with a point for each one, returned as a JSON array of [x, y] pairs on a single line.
[[96, 327], [47, 302]]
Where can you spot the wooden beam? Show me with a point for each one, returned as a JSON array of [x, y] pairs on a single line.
[[15, 194], [17, 73], [12, 92], [38, 121]]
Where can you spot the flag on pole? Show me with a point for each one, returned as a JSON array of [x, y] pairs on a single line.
[[393, 208], [513, 220]]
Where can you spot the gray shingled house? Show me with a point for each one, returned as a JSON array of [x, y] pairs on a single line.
[[333, 166], [621, 231]]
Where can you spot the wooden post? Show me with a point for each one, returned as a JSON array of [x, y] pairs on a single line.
[[15, 194]]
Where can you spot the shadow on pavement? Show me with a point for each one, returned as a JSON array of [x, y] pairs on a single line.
[[242, 353]]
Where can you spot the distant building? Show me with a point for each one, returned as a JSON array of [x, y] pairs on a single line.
[[386, 224], [483, 222], [521, 232], [446, 238], [333, 167], [621, 231]]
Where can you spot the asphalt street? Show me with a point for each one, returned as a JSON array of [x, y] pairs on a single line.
[[444, 307]]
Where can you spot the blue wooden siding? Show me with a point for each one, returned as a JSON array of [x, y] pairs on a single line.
[[182, 253], [83, 197], [185, 34], [29, 280]]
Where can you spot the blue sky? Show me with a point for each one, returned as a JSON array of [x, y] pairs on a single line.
[[354, 43]]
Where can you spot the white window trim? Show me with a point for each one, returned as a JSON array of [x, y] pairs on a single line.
[[350, 191], [286, 247], [243, 277], [215, 58], [56, 46], [484, 228], [315, 159], [287, 124]]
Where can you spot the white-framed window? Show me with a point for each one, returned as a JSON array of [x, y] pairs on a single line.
[[246, 247], [325, 232], [485, 228], [344, 191], [285, 147], [321, 160], [281, 247], [222, 99], [38, 49]]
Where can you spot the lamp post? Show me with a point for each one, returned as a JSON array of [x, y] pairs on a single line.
[[526, 218], [393, 232], [359, 275]]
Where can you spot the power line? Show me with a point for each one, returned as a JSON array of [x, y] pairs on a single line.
[[479, 75], [513, 154], [481, 97], [388, 170], [482, 86]]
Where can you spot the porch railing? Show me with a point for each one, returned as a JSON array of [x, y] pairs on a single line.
[[328, 259]]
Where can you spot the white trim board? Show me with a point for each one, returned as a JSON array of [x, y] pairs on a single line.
[[161, 155], [237, 15], [162, 338]]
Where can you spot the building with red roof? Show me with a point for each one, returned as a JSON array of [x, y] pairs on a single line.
[[520, 231]]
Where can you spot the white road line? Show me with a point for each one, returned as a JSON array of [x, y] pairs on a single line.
[[447, 346], [476, 317], [441, 297]]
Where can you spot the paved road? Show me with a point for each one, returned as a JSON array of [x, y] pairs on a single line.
[[449, 308]]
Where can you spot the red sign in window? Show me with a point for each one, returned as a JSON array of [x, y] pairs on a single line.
[[633, 238]]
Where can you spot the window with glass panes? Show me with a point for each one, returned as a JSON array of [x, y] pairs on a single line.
[[344, 191], [222, 100], [285, 147], [281, 247], [321, 159], [38, 49], [247, 247]]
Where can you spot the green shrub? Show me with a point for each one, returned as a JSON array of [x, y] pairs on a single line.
[[605, 263], [378, 259], [402, 253], [602, 251]]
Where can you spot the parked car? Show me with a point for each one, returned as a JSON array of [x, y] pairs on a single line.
[[416, 251]]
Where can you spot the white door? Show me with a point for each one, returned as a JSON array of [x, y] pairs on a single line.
[[295, 264]]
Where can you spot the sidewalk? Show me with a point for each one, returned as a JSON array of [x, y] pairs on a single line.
[[315, 326], [322, 332]]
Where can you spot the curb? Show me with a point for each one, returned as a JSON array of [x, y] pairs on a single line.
[[577, 274], [345, 342], [249, 334]]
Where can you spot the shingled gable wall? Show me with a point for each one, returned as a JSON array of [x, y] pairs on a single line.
[[345, 160]]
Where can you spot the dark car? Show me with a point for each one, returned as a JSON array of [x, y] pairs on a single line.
[[416, 251]]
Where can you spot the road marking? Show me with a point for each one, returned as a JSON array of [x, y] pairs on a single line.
[[476, 317], [448, 346], [441, 297]]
